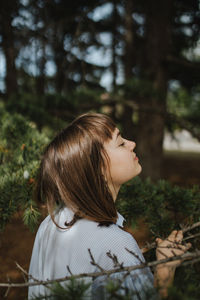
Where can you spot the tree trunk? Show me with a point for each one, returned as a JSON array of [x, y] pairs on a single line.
[[114, 43], [10, 54], [128, 126], [40, 79], [152, 109], [129, 40], [59, 58], [150, 136]]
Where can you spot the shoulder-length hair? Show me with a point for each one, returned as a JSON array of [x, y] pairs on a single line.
[[71, 171]]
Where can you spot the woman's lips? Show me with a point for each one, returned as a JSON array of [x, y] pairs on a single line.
[[135, 158]]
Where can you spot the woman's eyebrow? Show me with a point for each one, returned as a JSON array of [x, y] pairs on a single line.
[[119, 133]]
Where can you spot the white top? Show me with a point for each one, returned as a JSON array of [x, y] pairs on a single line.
[[55, 249]]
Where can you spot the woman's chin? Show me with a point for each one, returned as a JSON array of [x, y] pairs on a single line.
[[139, 169]]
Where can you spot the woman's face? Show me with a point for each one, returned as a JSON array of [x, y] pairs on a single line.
[[124, 164]]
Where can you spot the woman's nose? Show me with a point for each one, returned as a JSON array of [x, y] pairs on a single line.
[[132, 145]]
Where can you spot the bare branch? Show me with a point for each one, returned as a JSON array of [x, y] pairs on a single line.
[[8, 289], [24, 272], [148, 246], [195, 225], [93, 262], [21, 269], [69, 270], [115, 260], [135, 255], [194, 261], [192, 256], [192, 236]]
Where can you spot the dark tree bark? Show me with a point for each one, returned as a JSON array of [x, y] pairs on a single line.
[[60, 61], [39, 16], [9, 51], [114, 44], [128, 39], [151, 125], [128, 127], [41, 79]]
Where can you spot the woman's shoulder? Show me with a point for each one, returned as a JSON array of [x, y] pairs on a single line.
[[116, 234], [113, 241], [43, 225], [112, 236], [108, 234]]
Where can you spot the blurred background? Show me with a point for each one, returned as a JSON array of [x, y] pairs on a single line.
[[137, 61]]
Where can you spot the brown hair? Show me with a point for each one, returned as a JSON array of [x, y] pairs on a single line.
[[71, 171]]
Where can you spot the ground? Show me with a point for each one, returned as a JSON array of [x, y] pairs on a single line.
[[16, 241]]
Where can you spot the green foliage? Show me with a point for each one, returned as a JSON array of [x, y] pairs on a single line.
[[42, 110], [186, 105], [140, 88], [179, 100], [52, 110], [164, 206], [71, 290], [21, 146], [113, 288], [31, 216], [86, 96], [78, 289], [186, 284]]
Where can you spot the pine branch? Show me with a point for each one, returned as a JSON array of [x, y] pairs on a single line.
[[183, 62], [184, 124]]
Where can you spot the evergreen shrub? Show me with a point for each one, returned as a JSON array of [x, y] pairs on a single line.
[[21, 145]]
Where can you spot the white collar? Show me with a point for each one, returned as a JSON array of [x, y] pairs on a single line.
[[120, 220]]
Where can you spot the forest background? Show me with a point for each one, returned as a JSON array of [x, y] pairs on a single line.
[[137, 61]]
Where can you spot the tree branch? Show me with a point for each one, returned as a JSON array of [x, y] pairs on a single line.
[[192, 257], [183, 62], [153, 245]]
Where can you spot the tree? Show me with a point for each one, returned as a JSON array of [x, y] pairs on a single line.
[[9, 11], [160, 38]]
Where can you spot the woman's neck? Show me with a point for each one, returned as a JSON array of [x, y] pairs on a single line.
[[114, 191]]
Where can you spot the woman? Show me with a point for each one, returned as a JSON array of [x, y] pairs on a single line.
[[80, 176]]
